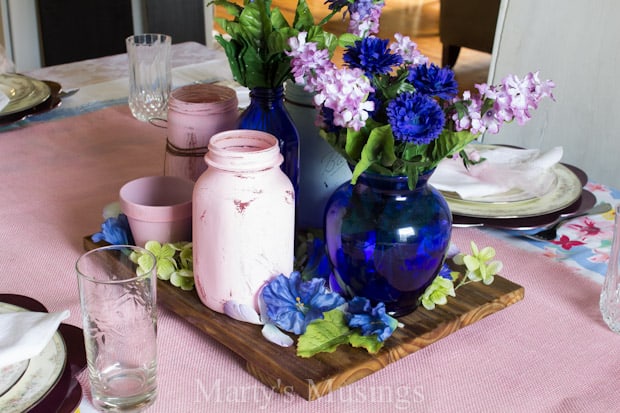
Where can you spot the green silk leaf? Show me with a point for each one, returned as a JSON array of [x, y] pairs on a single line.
[[379, 149], [324, 335], [371, 343]]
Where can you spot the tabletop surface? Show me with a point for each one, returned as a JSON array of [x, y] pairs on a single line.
[[549, 352]]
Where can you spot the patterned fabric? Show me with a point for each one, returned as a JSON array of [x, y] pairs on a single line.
[[583, 243]]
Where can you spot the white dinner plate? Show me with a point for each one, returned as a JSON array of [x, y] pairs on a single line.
[[42, 373], [23, 92], [564, 192]]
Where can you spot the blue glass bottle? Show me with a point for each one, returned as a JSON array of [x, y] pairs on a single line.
[[267, 113], [386, 242]]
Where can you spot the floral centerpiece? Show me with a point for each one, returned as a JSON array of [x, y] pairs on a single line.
[[391, 111], [387, 111]]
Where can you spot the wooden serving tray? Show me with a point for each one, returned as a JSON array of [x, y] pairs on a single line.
[[311, 378]]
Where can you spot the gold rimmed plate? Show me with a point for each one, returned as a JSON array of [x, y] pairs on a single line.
[[23, 92], [566, 191], [553, 189]]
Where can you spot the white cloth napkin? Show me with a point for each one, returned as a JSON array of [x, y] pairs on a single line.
[[505, 169], [6, 65], [24, 334], [4, 100]]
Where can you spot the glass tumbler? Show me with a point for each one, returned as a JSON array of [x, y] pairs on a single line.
[[150, 76], [117, 286], [610, 293]]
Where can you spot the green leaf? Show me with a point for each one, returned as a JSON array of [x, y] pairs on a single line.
[[347, 39], [303, 20], [324, 335], [278, 21], [379, 149], [371, 343], [230, 8], [255, 21]]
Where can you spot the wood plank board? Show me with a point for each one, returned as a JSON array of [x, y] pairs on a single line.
[[312, 378]]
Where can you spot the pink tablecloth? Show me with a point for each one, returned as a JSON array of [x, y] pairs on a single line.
[[550, 352]]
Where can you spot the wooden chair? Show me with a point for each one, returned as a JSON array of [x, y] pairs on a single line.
[[466, 23], [577, 45], [73, 30]]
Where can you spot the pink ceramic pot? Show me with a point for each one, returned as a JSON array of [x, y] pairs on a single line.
[[158, 208], [195, 113]]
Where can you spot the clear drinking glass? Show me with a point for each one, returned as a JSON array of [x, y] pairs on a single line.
[[150, 77], [610, 293], [118, 299]]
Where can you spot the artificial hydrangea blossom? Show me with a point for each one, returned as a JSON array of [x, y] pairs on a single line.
[[292, 303], [371, 320], [442, 286], [479, 265]]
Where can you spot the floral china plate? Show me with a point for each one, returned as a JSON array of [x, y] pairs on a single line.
[[41, 375], [53, 386]]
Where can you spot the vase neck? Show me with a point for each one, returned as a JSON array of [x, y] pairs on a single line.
[[267, 96], [393, 183]]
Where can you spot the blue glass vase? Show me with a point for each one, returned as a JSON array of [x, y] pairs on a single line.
[[267, 113], [386, 242]]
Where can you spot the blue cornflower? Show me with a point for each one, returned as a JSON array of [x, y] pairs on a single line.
[[115, 230], [434, 81], [336, 4], [372, 55], [361, 314], [292, 303], [415, 118]]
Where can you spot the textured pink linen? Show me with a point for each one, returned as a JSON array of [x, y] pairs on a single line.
[[550, 352]]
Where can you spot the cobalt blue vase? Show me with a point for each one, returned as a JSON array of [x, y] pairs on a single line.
[[267, 113], [386, 242]]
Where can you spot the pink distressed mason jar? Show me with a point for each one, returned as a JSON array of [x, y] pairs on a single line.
[[243, 219], [195, 113]]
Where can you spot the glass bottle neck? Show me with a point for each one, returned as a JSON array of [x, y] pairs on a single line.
[[268, 96]]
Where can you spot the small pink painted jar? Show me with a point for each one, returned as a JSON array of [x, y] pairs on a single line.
[[243, 219], [195, 113]]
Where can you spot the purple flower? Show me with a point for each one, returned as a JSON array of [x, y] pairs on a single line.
[[292, 303], [371, 320], [415, 118], [115, 230], [408, 49], [372, 55], [434, 81]]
